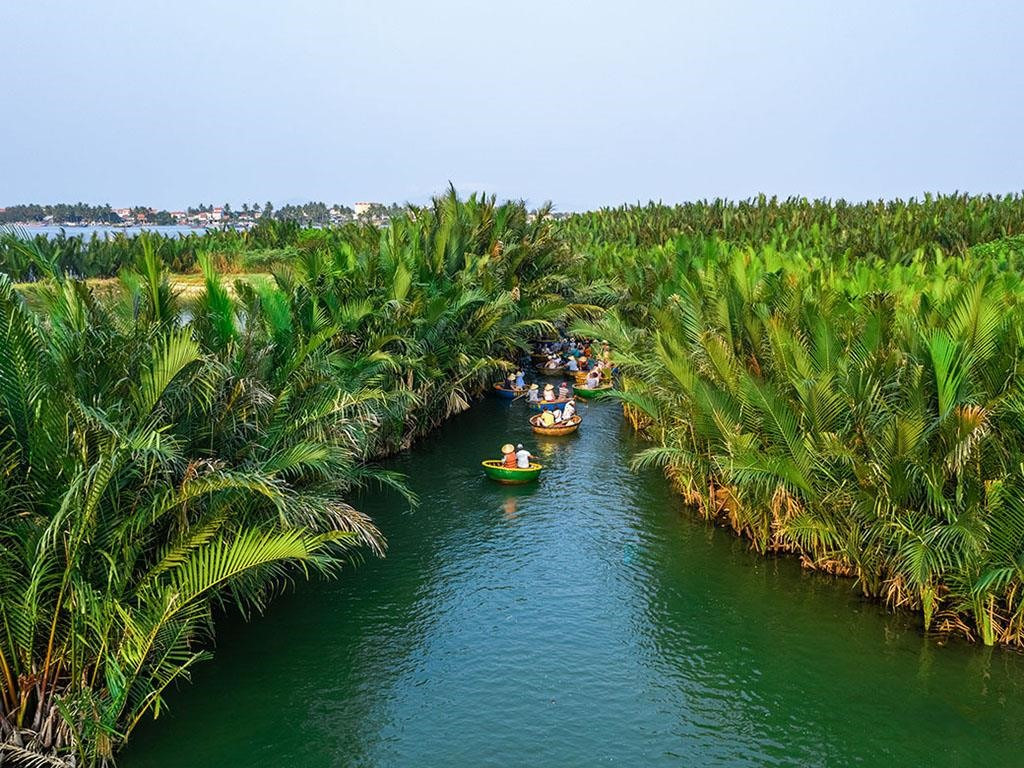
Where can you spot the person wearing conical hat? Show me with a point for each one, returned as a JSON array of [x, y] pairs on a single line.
[[572, 365], [584, 362], [508, 455], [533, 395], [549, 392], [520, 380]]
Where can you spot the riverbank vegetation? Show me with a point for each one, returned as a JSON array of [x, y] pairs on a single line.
[[864, 413], [841, 382], [161, 463]]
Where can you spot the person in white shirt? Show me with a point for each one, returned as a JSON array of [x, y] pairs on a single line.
[[569, 411], [523, 457]]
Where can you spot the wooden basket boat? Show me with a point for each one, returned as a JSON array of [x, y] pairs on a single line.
[[552, 405], [496, 470], [586, 394], [556, 430], [539, 358], [581, 377], [502, 391]]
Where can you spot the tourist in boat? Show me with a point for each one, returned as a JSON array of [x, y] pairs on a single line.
[[584, 363], [547, 419], [520, 380], [508, 456], [549, 393], [553, 362], [563, 391], [594, 379], [572, 365], [510, 381], [523, 457], [533, 395], [569, 411], [558, 415]]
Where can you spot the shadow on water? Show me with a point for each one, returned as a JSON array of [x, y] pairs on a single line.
[[579, 621]]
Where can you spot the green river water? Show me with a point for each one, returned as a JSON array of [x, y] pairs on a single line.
[[587, 620]]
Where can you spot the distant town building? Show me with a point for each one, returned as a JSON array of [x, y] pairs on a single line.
[[361, 208]]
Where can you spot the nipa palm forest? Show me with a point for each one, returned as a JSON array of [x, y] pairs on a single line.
[[183, 419]]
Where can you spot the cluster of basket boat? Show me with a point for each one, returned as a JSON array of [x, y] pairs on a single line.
[[496, 469]]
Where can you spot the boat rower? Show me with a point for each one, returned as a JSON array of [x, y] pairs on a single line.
[[523, 457], [569, 411]]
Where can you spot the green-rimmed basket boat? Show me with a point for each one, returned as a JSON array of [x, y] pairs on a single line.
[[586, 394], [496, 470]]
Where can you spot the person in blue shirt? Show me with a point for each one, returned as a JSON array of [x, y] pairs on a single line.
[[572, 365], [520, 380]]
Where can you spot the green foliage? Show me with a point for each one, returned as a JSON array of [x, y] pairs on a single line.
[[156, 464], [867, 419]]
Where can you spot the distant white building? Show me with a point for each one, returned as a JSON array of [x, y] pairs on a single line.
[[361, 208]]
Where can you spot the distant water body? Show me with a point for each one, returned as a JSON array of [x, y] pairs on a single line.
[[88, 232]]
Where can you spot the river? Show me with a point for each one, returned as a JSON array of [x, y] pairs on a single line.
[[86, 233], [588, 620]]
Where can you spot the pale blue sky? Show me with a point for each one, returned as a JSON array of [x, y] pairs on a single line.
[[584, 103]]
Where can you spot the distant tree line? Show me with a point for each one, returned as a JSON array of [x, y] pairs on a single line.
[[67, 212], [306, 214]]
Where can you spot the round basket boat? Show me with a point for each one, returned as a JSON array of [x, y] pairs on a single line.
[[539, 358], [556, 430], [502, 391], [496, 470], [586, 394], [550, 405], [581, 377]]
